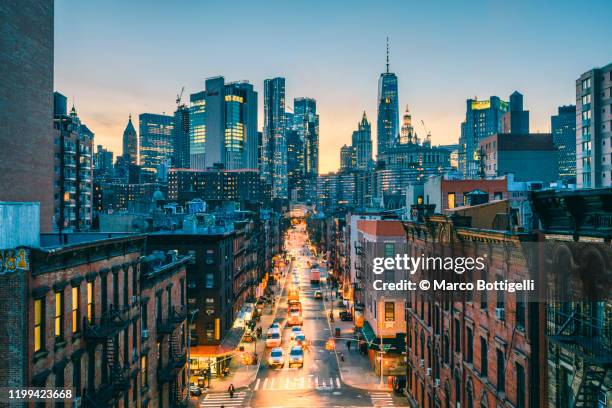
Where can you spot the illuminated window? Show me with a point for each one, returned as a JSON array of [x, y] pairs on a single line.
[[451, 200], [143, 372], [389, 311], [76, 315], [90, 301], [38, 325], [59, 315]]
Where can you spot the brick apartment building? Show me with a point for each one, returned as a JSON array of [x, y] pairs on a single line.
[[97, 317], [480, 349], [383, 310]]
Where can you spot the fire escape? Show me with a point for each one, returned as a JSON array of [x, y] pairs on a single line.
[[105, 330], [176, 357], [579, 333], [360, 255]]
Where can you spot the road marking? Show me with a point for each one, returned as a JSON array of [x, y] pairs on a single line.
[[257, 384], [338, 382], [223, 399], [297, 383], [331, 383], [381, 399], [265, 384]]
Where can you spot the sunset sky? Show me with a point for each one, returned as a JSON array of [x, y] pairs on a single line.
[[116, 57]]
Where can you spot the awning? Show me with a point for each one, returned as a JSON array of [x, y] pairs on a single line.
[[393, 344], [228, 345]]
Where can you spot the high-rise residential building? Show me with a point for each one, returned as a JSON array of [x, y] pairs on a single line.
[[362, 143], [306, 122], [130, 142], [223, 125], [197, 130], [274, 160], [407, 132], [563, 129], [594, 128], [103, 162], [387, 124], [348, 158], [155, 133], [295, 165], [482, 119], [181, 137], [26, 134], [516, 120], [73, 170]]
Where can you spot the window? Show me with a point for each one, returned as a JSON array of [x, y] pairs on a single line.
[[76, 312], [520, 386], [457, 336], [451, 200], [484, 357], [210, 281], [389, 275], [586, 99], [483, 294], [143, 372], [389, 250], [126, 291], [446, 349], [501, 375], [470, 346], [90, 302], [586, 115], [116, 290], [520, 310], [586, 84], [389, 311], [498, 195], [39, 332], [59, 315]]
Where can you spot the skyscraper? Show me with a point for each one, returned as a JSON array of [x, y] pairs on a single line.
[[274, 161], [387, 124], [362, 143], [197, 130], [223, 125], [26, 61], [407, 133], [594, 128], [482, 119], [563, 128], [73, 169], [295, 165], [306, 122], [180, 137], [348, 158], [103, 162], [130, 142], [155, 132]]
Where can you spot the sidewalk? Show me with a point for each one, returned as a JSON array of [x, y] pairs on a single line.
[[243, 375], [356, 369]]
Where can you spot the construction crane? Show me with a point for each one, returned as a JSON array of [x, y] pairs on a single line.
[[179, 96], [427, 132]]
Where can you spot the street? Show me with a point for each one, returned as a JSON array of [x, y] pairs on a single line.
[[319, 382]]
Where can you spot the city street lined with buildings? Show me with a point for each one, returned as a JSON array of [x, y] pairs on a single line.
[[320, 382]]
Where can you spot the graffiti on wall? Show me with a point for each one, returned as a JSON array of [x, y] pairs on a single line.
[[12, 260]]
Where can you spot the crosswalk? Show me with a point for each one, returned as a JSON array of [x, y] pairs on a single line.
[[223, 399], [381, 399], [297, 383]]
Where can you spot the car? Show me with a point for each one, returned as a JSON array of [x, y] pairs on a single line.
[[296, 357], [346, 316], [295, 330], [300, 338], [195, 390], [273, 338], [318, 295], [276, 359], [275, 325]]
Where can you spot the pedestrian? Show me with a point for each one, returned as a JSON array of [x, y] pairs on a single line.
[[348, 345], [231, 390]]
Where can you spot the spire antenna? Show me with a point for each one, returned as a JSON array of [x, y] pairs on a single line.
[[387, 54]]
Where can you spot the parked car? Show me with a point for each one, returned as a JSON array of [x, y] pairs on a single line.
[[346, 316], [296, 357], [318, 295], [276, 359]]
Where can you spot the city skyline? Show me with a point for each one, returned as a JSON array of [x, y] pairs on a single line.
[[107, 89]]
